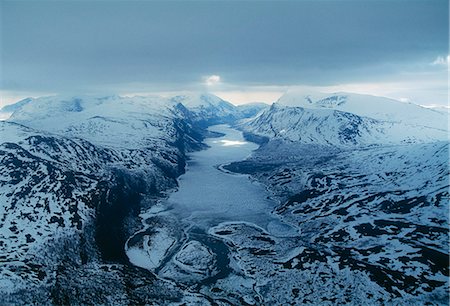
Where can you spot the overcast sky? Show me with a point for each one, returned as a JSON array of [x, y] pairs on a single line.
[[242, 50]]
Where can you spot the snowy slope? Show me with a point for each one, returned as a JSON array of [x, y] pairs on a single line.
[[207, 108], [6, 111], [374, 107], [371, 220], [15, 106], [323, 124], [251, 109], [112, 120], [203, 100], [72, 170], [440, 108], [54, 187], [365, 181]]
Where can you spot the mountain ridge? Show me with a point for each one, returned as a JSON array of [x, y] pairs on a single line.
[[309, 121]]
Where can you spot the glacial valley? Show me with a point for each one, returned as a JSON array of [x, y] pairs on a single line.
[[192, 200]]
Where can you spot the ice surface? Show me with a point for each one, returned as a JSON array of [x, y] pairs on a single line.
[[207, 195]]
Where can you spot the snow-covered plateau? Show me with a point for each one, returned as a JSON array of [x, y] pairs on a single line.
[[318, 199]]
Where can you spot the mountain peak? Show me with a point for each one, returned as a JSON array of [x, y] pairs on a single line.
[[194, 100]]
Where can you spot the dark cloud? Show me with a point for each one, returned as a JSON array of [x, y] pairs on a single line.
[[86, 45]]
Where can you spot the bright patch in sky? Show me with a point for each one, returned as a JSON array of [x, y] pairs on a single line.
[[212, 80]]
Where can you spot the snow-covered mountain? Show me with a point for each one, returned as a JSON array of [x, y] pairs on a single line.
[[11, 108], [376, 217], [74, 174], [63, 202], [73, 171], [249, 110], [367, 187], [440, 108], [7, 110], [109, 120], [379, 108], [344, 120], [208, 109]]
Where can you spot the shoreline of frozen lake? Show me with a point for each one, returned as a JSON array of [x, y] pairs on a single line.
[[207, 196]]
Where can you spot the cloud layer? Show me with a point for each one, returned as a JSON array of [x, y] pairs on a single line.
[[73, 46]]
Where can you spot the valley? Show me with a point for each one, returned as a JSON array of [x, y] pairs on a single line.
[[119, 200], [191, 253]]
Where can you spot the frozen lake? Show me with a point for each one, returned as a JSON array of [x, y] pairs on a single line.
[[208, 196]]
